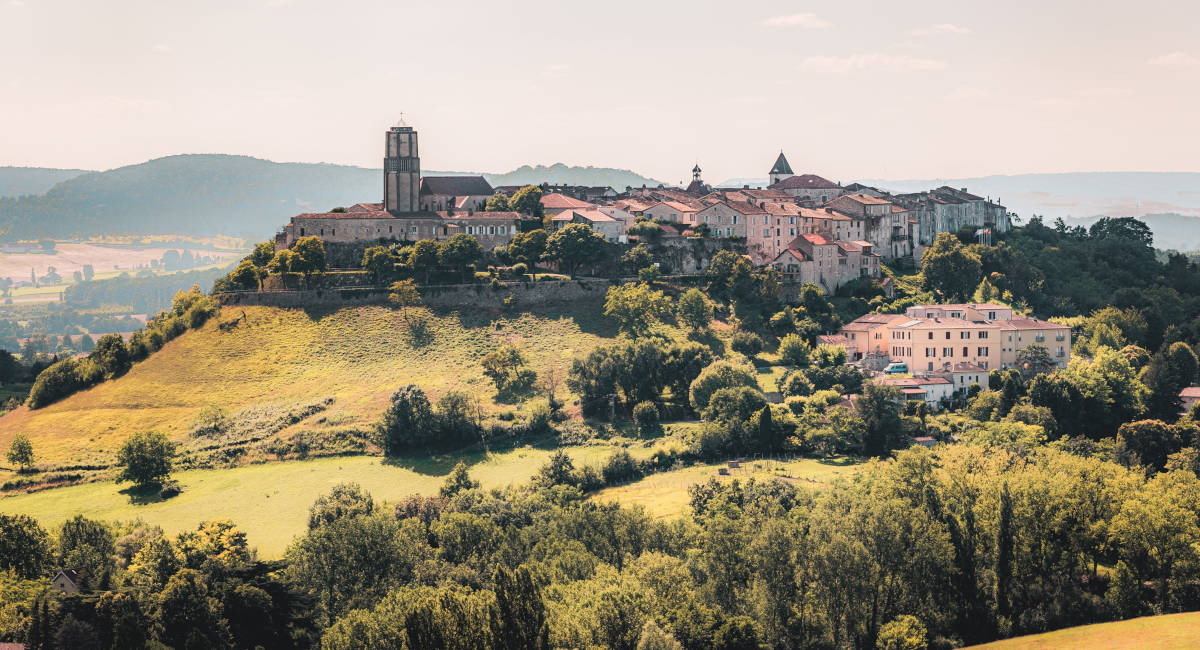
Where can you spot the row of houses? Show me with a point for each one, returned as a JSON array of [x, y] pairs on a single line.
[[807, 227]]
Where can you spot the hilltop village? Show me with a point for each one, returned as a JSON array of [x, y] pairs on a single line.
[[808, 228]]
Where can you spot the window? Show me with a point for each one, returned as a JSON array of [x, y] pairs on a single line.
[[766, 232], [491, 230], [965, 334], [930, 352], [413, 230], [734, 217], [982, 352], [983, 335], [301, 232], [966, 351], [333, 232], [931, 335], [991, 315], [948, 352], [947, 335]]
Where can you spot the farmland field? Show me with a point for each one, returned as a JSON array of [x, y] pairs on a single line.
[[70, 257], [1170, 631], [665, 495], [270, 501]]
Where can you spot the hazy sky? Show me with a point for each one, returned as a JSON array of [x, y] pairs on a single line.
[[895, 89]]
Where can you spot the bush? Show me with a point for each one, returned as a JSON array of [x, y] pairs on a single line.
[[795, 384], [747, 343], [722, 374], [407, 422], [169, 489], [346, 499], [645, 414], [794, 350], [905, 632], [620, 468]]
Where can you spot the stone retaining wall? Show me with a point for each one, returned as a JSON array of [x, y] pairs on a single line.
[[524, 295]]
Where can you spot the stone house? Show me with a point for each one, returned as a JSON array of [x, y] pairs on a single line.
[[613, 229], [555, 203]]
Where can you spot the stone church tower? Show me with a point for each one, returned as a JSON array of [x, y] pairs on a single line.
[[401, 170]]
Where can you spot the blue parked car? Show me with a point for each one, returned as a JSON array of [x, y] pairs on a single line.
[[896, 369]]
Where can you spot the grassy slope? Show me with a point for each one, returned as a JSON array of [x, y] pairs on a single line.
[[270, 501], [1169, 631], [665, 495], [290, 357]]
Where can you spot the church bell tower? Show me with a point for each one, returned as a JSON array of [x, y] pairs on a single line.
[[401, 170]]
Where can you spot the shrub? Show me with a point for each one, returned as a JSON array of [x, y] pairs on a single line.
[[645, 414], [541, 417], [722, 374], [905, 632], [747, 343], [620, 468], [795, 384], [169, 489], [794, 350], [346, 499], [407, 422]]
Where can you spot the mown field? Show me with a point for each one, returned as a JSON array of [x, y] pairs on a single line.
[[665, 495], [270, 501], [1170, 631], [282, 359]]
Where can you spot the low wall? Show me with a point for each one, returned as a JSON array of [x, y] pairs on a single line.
[[524, 295]]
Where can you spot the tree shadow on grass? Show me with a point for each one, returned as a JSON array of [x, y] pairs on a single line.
[[586, 314], [146, 495], [840, 461]]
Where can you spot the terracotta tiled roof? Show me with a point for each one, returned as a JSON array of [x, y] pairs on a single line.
[[744, 207], [556, 201], [1190, 391], [815, 239], [865, 199], [590, 215]]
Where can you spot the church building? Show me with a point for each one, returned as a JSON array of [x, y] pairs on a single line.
[[413, 208]]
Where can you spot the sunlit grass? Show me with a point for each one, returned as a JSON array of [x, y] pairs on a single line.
[[665, 495], [1167, 632], [270, 501], [289, 357]]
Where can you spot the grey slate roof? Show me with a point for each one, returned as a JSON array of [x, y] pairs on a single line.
[[456, 186], [781, 165]]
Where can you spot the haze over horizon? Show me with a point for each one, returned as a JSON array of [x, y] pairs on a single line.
[[933, 89]]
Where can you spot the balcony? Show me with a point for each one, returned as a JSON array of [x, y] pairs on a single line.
[[899, 237]]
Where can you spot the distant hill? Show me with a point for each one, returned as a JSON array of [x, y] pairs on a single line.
[[1171, 231], [559, 173], [205, 194], [22, 181], [1081, 194]]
